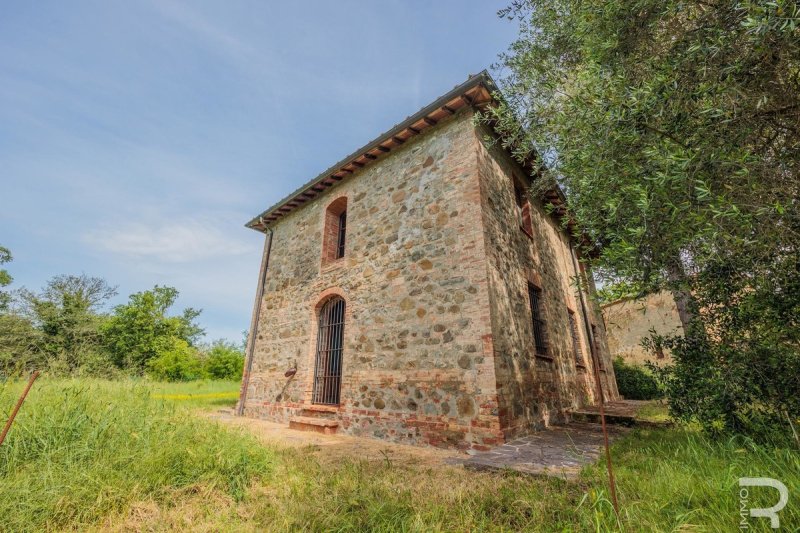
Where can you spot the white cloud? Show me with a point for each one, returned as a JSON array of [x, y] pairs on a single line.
[[170, 241]]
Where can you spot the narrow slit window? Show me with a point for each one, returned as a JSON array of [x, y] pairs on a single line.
[[538, 323], [342, 233], [523, 208], [576, 345], [335, 233]]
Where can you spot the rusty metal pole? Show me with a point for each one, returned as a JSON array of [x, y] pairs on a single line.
[[19, 404], [251, 337], [598, 383]]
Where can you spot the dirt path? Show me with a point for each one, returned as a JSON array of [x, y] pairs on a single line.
[[337, 447]]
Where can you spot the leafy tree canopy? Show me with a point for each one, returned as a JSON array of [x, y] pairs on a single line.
[[66, 312], [138, 331], [673, 126]]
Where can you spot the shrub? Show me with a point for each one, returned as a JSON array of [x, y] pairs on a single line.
[[636, 382], [737, 370], [175, 360], [224, 361]]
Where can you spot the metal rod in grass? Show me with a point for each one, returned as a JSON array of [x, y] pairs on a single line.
[[16, 407], [612, 484]]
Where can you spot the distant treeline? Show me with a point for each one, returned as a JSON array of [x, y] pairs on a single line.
[[65, 328]]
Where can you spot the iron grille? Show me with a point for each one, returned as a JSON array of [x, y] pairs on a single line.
[[341, 236], [576, 346], [539, 331], [328, 365]]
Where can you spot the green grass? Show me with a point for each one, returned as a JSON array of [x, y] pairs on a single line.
[[655, 412], [198, 394], [101, 455], [81, 449]]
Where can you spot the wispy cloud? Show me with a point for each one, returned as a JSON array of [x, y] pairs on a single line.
[[179, 241]]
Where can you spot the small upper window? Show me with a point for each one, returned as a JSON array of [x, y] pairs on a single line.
[[523, 206], [335, 232], [341, 235]]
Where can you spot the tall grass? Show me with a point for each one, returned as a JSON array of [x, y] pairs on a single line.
[[89, 454], [668, 480], [81, 449]]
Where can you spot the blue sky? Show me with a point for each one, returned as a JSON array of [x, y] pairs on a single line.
[[136, 138]]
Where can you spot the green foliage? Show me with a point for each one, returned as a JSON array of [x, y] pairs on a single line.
[[83, 449], [671, 125], [20, 344], [141, 330], [66, 315], [63, 329], [673, 128], [5, 277], [743, 373], [224, 360], [635, 382], [175, 360]]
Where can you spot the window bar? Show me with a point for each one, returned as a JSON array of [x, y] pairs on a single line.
[[538, 324], [328, 371]]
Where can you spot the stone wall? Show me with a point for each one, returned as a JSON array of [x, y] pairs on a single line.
[[533, 391], [630, 321], [418, 365]]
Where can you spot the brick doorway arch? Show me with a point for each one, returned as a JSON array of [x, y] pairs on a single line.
[[328, 358]]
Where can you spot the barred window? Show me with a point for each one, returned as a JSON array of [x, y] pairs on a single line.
[[538, 323], [330, 343]]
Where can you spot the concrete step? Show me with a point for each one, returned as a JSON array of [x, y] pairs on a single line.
[[311, 423]]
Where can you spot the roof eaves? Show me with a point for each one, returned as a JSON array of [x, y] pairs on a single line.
[[328, 178]]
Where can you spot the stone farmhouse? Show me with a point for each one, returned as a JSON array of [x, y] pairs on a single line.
[[415, 292]]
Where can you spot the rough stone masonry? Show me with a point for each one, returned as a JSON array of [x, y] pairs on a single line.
[[430, 237]]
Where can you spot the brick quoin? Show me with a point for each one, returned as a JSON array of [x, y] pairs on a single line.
[[438, 343]]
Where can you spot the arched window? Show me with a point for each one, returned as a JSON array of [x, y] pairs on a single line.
[[334, 237], [330, 343]]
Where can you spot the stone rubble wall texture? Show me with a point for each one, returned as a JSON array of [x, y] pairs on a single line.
[[533, 391], [422, 363], [630, 321]]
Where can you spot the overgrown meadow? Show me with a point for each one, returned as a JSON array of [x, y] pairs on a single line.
[[132, 455]]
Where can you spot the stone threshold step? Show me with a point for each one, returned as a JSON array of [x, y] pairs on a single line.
[[308, 423]]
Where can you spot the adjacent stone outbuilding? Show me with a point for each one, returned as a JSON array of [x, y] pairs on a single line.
[[630, 321], [415, 292]]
